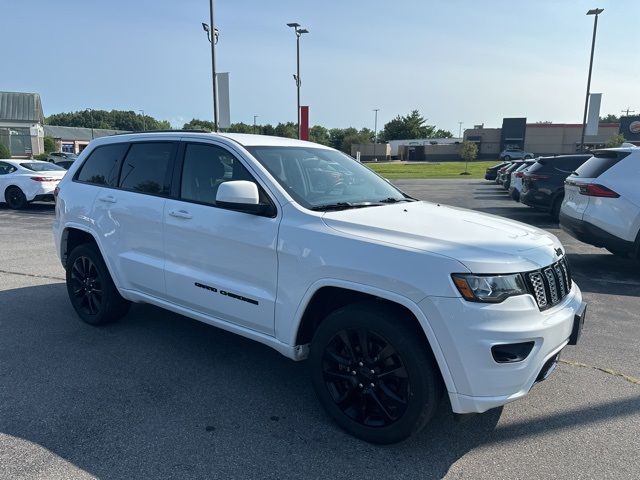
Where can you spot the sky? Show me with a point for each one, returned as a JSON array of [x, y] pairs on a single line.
[[453, 60]]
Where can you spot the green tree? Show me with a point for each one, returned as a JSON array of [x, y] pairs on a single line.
[[287, 130], [610, 118], [615, 141], [319, 134], [196, 124], [49, 145], [412, 125], [114, 119], [240, 128], [4, 151], [469, 152]]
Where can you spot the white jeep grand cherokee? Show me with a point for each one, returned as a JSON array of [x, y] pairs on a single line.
[[296, 245]]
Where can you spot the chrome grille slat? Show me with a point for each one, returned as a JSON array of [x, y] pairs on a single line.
[[561, 280], [550, 285]]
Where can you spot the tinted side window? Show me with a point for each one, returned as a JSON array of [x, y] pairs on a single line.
[[600, 163], [205, 168], [146, 168], [102, 165], [569, 164], [5, 168]]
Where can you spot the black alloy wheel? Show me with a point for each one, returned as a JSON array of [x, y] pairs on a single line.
[[15, 198], [91, 290], [366, 377], [86, 285], [374, 373]]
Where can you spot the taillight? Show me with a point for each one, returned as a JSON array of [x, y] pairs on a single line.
[[44, 179], [519, 174], [595, 190]]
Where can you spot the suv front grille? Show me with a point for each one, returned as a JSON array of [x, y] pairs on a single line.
[[549, 285]]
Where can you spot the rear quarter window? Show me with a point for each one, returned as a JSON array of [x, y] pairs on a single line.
[[599, 163], [101, 168]]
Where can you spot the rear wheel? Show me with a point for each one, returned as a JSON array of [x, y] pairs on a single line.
[[506, 158], [91, 290], [374, 374], [15, 198]]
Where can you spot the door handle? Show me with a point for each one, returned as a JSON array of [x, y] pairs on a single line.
[[108, 199], [180, 214]]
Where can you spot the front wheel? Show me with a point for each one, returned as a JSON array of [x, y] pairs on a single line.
[[506, 158], [15, 198], [374, 373], [92, 293]]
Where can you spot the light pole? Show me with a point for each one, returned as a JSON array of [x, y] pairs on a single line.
[[144, 122], [375, 126], [90, 110], [212, 35], [299, 32], [595, 12], [254, 123]]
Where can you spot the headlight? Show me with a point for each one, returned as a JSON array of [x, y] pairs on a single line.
[[489, 288]]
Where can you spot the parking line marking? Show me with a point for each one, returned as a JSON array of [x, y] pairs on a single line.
[[32, 275], [628, 378]]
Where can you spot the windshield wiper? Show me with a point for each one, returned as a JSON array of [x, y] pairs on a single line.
[[344, 206], [396, 200]]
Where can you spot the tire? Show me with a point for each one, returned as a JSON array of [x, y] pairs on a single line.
[[376, 408], [15, 198], [506, 158], [555, 209], [91, 290], [527, 157]]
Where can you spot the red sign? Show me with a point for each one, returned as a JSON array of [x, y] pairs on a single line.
[[304, 122]]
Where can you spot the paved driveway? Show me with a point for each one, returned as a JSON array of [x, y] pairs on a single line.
[[160, 396]]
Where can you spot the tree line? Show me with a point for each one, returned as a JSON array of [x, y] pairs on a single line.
[[412, 125]]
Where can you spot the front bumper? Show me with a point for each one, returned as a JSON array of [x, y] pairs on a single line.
[[466, 331]]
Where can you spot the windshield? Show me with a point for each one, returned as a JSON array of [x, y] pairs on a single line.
[[41, 166], [318, 178]]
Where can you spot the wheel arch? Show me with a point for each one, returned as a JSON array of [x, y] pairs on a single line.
[[74, 235], [327, 296]]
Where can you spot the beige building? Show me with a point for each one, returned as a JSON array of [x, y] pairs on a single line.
[[542, 138]]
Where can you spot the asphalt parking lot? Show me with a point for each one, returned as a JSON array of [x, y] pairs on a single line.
[[158, 395]]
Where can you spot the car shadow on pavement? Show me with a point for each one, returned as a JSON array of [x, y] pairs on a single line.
[[36, 208], [605, 273], [158, 395]]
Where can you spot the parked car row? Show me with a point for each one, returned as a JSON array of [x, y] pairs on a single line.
[[594, 196]]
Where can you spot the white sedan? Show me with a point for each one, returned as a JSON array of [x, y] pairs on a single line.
[[24, 181]]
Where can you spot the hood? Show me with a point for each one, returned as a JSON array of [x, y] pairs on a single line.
[[483, 243]]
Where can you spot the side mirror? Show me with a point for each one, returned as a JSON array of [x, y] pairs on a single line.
[[242, 196]]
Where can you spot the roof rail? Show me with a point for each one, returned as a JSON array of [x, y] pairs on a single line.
[[163, 131]]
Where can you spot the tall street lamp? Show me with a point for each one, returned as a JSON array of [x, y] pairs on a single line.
[[595, 12], [375, 126], [144, 121], [299, 32], [212, 35], [90, 110], [254, 123]]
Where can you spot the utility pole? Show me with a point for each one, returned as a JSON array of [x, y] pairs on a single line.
[[627, 111], [254, 123], [375, 126], [595, 12], [299, 32], [213, 40]]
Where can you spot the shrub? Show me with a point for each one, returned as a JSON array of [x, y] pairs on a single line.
[[4, 151]]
